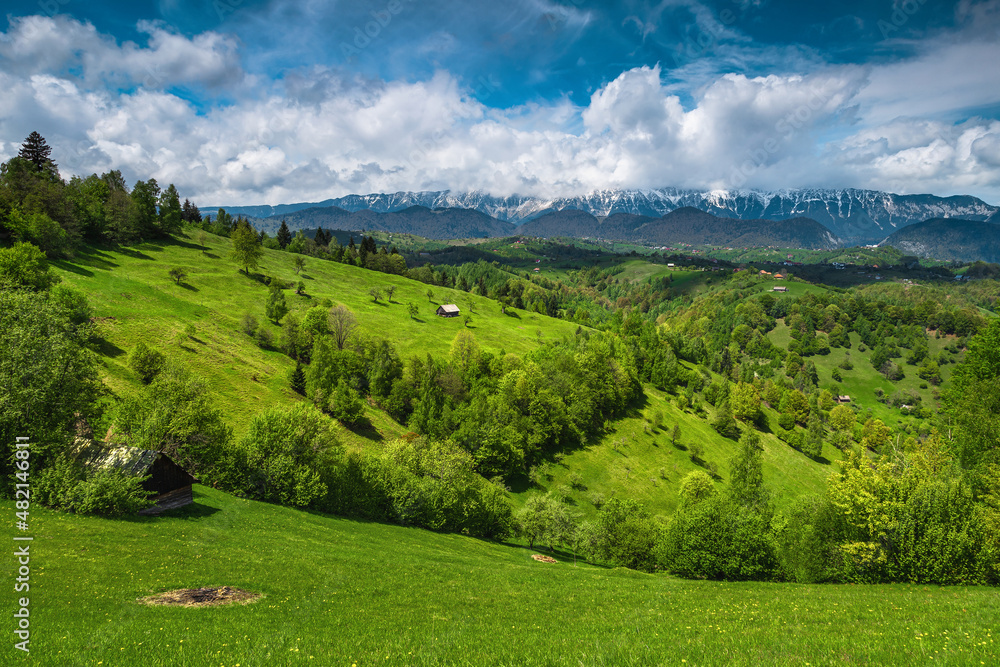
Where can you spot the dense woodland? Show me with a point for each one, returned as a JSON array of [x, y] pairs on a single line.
[[914, 505]]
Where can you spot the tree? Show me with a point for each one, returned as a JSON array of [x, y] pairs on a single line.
[[48, 379], [465, 352], [297, 379], [24, 265], [35, 150], [176, 414], [724, 422], [695, 486], [143, 213], [842, 418], [178, 274], [246, 251], [346, 405], [412, 309], [375, 293], [284, 235], [745, 402], [299, 262], [675, 436], [146, 362], [389, 291], [275, 308], [746, 486], [342, 322], [170, 210], [430, 294]]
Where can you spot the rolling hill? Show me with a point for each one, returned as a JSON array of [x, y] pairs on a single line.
[[943, 238]]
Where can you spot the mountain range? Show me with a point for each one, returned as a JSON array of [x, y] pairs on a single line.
[[852, 215]]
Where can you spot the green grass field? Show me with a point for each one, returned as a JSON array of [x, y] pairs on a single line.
[[131, 292], [338, 592]]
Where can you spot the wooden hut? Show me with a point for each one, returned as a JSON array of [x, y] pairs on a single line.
[[448, 310], [170, 482]]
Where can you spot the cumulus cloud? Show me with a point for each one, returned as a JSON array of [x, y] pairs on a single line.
[[63, 46], [319, 132]]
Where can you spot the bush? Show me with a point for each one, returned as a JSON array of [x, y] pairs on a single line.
[[66, 486], [248, 324], [146, 362]]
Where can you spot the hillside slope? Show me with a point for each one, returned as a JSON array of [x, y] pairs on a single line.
[[942, 238]]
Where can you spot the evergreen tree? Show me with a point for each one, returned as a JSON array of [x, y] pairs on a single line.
[[320, 237], [171, 214], [35, 150], [297, 380], [284, 235]]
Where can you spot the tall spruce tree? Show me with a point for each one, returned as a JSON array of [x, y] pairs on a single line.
[[35, 150], [284, 235]]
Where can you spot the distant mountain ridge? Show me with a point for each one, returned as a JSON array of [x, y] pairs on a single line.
[[949, 239], [684, 225], [853, 215]]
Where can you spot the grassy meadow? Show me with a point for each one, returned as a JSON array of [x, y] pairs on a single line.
[[136, 300], [338, 592]]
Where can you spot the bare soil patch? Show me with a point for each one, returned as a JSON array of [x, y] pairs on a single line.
[[544, 559], [201, 597]]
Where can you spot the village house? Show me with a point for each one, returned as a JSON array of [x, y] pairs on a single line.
[[448, 310]]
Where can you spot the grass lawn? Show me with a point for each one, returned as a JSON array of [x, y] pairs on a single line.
[[339, 592]]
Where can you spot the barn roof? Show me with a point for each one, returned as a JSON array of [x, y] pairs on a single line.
[[448, 308], [130, 460]]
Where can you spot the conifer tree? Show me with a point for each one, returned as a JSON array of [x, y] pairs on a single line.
[[35, 150], [284, 235]]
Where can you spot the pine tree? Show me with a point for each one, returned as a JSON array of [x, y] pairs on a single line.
[[284, 235], [297, 379], [35, 150]]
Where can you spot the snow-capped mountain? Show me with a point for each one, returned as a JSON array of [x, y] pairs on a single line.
[[855, 216]]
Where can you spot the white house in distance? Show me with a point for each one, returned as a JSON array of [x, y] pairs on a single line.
[[448, 310]]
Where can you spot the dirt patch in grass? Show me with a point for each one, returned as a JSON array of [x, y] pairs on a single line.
[[201, 597], [544, 559]]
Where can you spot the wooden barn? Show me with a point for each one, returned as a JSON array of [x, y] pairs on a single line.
[[170, 482], [448, 310]]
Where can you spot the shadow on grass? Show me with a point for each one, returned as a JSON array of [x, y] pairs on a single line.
[[211, 255], [72, 268], [133, 253], [106, 348], [364, 429], [188, 287]]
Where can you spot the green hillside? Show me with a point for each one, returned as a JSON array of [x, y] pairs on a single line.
[[339, 592], [135, 300]]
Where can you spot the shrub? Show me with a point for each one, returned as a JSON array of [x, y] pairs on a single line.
[[146, 362], [111, 493], [248, 324]]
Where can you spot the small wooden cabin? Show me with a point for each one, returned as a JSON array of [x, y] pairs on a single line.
[[843, 399], [448, 310], [170, 482], [779, 289]]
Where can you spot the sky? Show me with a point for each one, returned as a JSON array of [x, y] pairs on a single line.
[[280, 101]]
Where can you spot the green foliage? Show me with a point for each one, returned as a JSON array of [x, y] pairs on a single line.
[[546, 519], [146, 362], [695, 487], [47, 377], [246, 250], [745, 401], [724, 423], [346, 405], [175, 414], [625, 535], [275, 307], [24, 265], [66, 486], [178, 274]]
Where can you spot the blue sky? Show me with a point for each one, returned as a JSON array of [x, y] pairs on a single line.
[[245, 101]]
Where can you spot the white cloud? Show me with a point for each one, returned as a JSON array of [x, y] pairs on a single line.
[[318, 133]]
